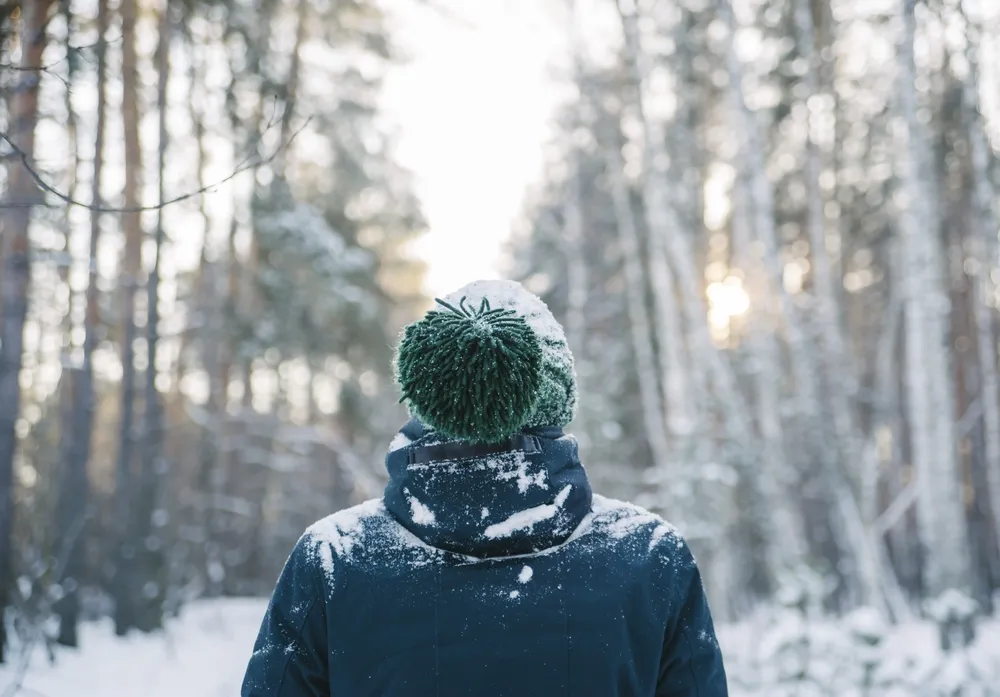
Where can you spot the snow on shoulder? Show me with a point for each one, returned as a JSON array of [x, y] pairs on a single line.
[[339, 538], [621, 520], [340, 532]]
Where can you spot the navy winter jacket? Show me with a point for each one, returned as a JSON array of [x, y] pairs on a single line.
[[488, 571]]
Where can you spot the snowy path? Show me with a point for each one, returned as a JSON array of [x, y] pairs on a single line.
[[204, 653]]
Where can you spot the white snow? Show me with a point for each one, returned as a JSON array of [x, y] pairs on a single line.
[[528, 518], [335, 537], [341, 530], [399, 442], [419, 512], [326, 559], [519, 471], [663, 530], [526, 573], [202, 654], [512, 295], [205, 652], [484, 514]]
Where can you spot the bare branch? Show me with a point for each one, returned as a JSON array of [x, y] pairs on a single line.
[[245, 166], [81, 50]]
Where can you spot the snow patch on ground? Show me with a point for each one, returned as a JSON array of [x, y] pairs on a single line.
[[204, 653], [201, 654], [526, 573]]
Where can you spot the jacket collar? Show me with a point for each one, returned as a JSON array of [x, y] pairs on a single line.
[[524, 495]]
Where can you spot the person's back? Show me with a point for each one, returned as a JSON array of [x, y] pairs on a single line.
[[489, 567]]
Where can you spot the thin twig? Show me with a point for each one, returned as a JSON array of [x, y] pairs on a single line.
[[69, 200], [69, 50]]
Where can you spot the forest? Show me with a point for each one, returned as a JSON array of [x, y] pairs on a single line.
[[769, 227]]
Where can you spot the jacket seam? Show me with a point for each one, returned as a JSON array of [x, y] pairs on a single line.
[[694, 678], [298, 638]]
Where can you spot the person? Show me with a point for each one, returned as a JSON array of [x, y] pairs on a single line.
[[488, 568]]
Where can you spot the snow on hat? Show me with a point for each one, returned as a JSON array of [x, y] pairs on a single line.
[[489, 361]]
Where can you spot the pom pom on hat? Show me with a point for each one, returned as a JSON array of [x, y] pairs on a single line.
[[489, 361]]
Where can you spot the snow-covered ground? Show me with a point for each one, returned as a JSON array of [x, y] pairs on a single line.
[[204, 652]]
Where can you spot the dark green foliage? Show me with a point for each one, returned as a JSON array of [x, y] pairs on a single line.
[[471, 374]]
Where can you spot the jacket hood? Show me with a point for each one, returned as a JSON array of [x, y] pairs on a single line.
[[521, 496]]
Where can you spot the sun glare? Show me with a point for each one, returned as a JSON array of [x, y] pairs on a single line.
[[728, 298]]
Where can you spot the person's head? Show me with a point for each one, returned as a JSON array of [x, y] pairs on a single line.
[[488, 361]]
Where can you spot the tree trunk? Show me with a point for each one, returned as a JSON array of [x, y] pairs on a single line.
[[856, 543], [132, 228], [15, 283], [717, 370], [787, 546], [574, 232], [148, 542], [214, 349], [984, 238], [941, 515], [662, 222], [833, 351], [639, 321], [78, 455], [67, 378], [294, 76], [834, 358]]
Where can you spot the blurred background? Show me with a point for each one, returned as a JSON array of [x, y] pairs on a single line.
[[770, 228]]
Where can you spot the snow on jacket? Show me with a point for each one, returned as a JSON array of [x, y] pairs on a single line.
[[488, 571]]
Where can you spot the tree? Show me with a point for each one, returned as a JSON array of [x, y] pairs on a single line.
[[930, 390], [73, 508], [128, 287], [20, 197]]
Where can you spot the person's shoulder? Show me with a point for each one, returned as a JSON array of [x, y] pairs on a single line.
[[363, 537], [343, 529], [636, 527]]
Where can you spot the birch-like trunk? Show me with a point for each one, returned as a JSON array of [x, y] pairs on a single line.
[[662, 223], [790, 548], [753, 216], [15, 282], [984, 242], [940, 512], [124, 585], [639, 321], [832, 345], [718, 373], [857, 541], [680, 257]]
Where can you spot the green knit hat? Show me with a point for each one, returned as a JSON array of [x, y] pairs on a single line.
[[485, 363]]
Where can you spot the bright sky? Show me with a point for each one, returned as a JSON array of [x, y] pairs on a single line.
[[473, 106]]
